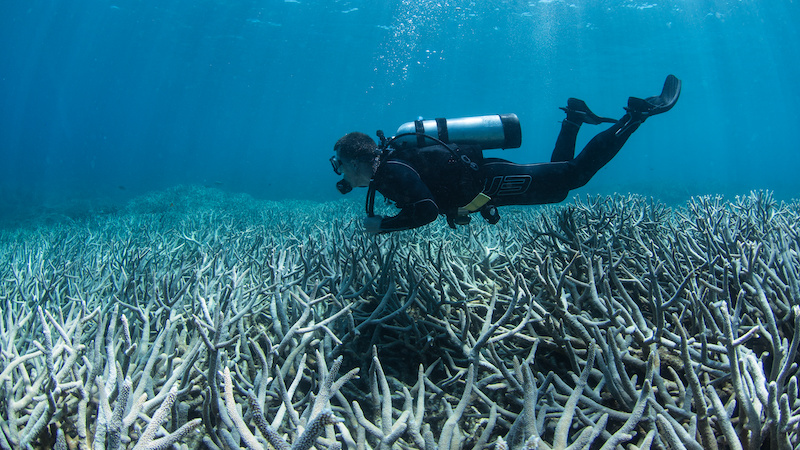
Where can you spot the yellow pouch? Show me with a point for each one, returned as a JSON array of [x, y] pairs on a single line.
[[476, 204]]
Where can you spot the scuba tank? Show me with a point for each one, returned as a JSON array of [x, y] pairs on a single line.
[[486, 132]]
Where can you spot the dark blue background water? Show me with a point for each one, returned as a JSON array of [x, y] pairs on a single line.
[[102, 100]]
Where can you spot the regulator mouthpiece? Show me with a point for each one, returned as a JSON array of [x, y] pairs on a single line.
[[343, 186]]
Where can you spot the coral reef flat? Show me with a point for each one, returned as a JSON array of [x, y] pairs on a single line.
[[198, 319]]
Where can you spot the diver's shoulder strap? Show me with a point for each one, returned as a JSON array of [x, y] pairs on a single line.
[[371, 198], [385, 152]]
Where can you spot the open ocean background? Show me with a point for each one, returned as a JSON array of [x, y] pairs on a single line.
[[102, 101], [165, 179]]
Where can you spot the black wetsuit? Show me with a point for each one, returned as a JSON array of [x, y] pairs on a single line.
[[430, 181]]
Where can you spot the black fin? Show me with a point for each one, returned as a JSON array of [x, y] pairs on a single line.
[[578, 113], [651, 106]]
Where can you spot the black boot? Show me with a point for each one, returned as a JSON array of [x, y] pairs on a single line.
[[641, 109], [578, 113]]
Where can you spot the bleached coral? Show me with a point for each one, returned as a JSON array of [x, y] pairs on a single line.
[[610, 321]]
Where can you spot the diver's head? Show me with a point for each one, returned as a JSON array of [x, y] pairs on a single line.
[[356, 159]]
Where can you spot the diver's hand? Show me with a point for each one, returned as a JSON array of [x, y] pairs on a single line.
[[372, 225]]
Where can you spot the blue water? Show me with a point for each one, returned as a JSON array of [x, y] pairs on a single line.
[[104, 100]]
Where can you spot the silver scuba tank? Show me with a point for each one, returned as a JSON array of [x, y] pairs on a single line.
[[494, 131]]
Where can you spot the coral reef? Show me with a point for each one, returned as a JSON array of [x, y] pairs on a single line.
[[607, 322]]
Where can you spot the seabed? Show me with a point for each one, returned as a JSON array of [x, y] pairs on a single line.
[[198, 319]]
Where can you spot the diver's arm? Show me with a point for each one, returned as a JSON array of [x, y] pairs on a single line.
[[415, 215], [401, 183]]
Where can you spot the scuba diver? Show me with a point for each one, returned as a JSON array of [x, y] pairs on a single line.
[[435, 167]]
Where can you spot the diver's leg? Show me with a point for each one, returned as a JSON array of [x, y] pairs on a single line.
[[603, 147], [565, 144], [600, 150], [509, 183]]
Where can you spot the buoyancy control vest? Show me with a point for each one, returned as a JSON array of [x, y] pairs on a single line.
[[480, 132]]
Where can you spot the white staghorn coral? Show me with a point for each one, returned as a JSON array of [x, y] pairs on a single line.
[[610, 321]]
